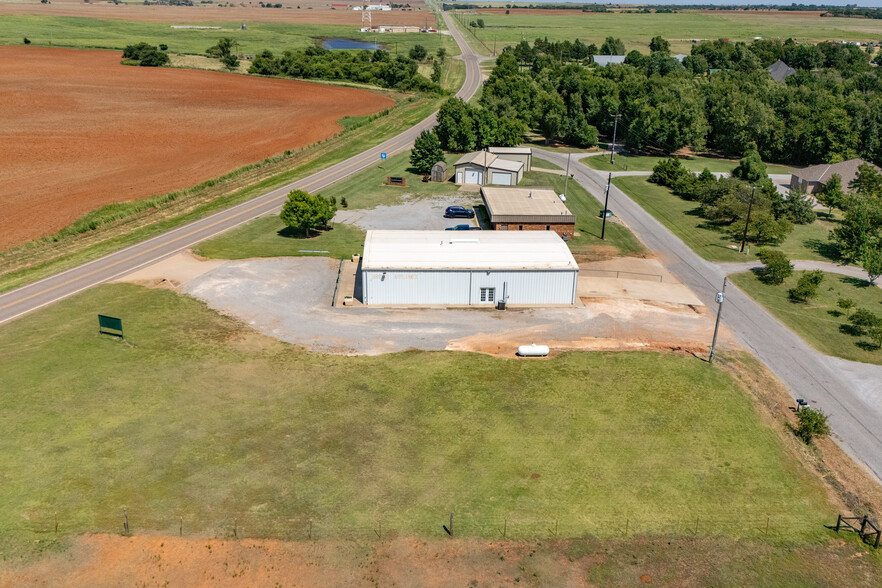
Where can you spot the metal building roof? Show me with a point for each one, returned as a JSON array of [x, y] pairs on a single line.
[[460, 250], [511, 150], [538, 205], [506, 165]]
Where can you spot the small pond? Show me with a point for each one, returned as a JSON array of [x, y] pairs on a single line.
[[349, 44]]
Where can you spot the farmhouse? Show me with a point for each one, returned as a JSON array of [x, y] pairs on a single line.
[[813, 179], [604, 60], [484, 167], [475, 268], [528, 209]]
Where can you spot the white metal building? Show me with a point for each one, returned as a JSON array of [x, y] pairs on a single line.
[[522, 154], [483, 167], [467, 268]]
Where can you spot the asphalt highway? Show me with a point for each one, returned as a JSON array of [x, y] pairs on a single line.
[[807, 373], [16, 303]]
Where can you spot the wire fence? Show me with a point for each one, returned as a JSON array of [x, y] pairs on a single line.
[[131, 521]]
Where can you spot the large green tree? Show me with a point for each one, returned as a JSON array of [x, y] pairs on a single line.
[[426, 152], [306, 211], [612, 46]]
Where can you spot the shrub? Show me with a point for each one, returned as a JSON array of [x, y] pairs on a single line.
[[146, 54], [807, 286], [27, 41], [777, 267], [862, 320], [812, 423], [343, 202], [845, 304]]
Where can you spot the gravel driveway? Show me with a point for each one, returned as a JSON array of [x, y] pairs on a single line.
[[417, 214]]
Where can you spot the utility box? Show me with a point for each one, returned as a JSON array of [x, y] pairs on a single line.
[[439, 172]]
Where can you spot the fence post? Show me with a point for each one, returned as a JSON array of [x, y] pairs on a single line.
[[878, 534], [838, 522], [451, 523], [56, 523], [863, 525], [126, 519], [181, 530], [504, 527]]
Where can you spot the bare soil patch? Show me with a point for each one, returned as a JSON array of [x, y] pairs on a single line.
[[110, 560], [310, 12], [78, 130]]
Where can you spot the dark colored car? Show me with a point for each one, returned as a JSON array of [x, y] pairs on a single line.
[[459, 212], [459, 228]]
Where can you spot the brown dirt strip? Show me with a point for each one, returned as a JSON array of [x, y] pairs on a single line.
[[78, 130], [321, 13]]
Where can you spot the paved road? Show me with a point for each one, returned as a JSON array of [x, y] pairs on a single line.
[[28, 298], [839, 388]]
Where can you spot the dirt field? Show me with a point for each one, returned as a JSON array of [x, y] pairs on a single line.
[[102, 132], [112, 560], [310, 12]]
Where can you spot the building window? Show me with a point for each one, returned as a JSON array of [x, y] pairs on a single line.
[[488, 294], [547, 227], [520, 227], [503, 227]]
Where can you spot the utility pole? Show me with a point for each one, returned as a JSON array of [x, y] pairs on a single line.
[[747, 222], [721, 296], [567, 180], [605, 207], [612, 151]]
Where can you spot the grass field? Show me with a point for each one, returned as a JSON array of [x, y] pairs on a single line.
[[588, 222], [646, 163], [637, 29], [197, 416], [819, 322], [269, 237], [682, 218], [93, 33]]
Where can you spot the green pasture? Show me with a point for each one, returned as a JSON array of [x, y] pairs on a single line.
[[196, 416], [820, 321], [680, 28], [695, 163], [93, 33], [713, 242]]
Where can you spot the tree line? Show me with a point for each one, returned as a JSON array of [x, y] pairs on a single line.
[[378, 68], [829, 110]]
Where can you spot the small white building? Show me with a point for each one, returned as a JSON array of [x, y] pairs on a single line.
[[459, 268], [484, 167], [604, 60]]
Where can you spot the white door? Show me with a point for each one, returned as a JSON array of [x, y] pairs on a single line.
[[501, 179], [459, 177], [473, 176]]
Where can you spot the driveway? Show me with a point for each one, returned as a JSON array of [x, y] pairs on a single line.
[[416, 214]]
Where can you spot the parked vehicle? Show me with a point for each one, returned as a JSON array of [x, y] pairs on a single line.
[[459, 212], [459, 228], [606, 213]]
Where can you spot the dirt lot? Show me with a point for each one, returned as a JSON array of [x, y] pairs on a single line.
[[310, 12], [102, 132]]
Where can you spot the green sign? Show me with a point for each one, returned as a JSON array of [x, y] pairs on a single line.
[[110, 325]]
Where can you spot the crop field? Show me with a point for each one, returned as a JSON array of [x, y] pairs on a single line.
[[291, 11], [127, 132], [106, 33], [680, 28], [195, 415]]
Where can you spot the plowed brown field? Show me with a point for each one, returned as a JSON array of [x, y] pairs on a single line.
[[309, 12], [78, 130]]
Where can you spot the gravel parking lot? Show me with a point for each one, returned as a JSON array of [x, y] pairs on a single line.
[[417, 214], [290, 299]]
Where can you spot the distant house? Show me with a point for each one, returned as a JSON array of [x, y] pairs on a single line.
[[483, 167], [604, 60], [528, 209], [780, 71], [680, 57], [813, 179]]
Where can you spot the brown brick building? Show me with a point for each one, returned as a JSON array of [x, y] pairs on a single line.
[[528, 209]]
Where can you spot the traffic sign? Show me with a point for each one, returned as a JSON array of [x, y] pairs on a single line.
[[382, 156]]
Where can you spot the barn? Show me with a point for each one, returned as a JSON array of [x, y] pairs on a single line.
[[475, 268], [483, 167]]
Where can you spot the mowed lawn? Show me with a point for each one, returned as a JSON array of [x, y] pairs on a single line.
[[94, 33], [587, 211], [196, 416], [716, 243], [647, 163], [679, 28], [820, 321]]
